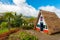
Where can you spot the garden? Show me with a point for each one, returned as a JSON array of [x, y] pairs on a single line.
[[11, 23]]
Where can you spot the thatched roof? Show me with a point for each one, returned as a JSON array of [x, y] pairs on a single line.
[[52, 21]]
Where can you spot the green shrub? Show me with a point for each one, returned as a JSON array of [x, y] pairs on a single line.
[[27, 27], [26, 36], [22, 36], [4, 25], [17, 22], [3, 30], [29, 37]]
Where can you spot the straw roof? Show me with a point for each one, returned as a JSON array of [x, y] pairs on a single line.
[[52, 21]]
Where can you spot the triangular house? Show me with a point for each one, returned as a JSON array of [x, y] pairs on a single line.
[[51, 21]]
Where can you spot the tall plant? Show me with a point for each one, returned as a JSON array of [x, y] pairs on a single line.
[[18, 21], [8, 16]]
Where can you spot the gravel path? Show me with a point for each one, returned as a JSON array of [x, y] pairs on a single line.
[[42, 36]]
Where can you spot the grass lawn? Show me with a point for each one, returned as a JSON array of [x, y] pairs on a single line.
[[6, 30], [3, 30]]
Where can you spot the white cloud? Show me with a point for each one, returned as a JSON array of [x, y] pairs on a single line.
[[18, 2], [51, 9], [5, 8], [20, 7], [48, 8]]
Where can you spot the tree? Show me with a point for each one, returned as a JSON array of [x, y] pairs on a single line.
[[8, 16], [18, 21]]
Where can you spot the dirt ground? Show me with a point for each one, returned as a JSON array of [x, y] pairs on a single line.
[[43, 36]]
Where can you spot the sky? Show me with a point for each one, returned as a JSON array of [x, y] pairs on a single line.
[[30, 7], [38, 3]]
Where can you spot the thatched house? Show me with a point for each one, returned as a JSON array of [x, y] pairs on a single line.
[[51, 20]]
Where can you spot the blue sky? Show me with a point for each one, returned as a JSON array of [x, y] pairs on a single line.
[[7, 1], [37, 3]]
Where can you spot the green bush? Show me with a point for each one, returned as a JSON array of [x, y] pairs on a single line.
[[26, 36], [3, 30], [27, 27], [22, 36], [29, 37], [4, 25], [17, 22]]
